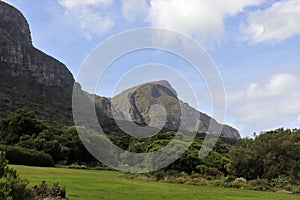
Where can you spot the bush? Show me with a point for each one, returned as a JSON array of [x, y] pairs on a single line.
[[224, 182], [159, 175], [77, 166], [180, 180], [241, 183], [11, 186], [168, 175], [22, 156], [44, 191], [197, 181]]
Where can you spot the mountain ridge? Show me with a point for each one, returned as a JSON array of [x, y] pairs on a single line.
[[134, 104], [33, 80], [30, 79]]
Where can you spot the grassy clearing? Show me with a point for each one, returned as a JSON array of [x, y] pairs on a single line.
[[111, 185]]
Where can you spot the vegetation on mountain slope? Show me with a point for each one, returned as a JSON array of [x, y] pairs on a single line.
[[270, 155]]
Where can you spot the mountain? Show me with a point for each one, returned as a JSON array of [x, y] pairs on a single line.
[[33, 80], [135, 104], [30, 79]]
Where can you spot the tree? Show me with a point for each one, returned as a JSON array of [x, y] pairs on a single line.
[[270, 155], [280, 150], [11, 186], [19, 123], [245, 161]]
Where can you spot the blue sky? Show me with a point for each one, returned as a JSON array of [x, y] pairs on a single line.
[[254, 43]]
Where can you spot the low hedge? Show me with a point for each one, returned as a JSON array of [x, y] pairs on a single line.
[[22, 156]]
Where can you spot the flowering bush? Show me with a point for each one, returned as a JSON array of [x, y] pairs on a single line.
[[43, 191]]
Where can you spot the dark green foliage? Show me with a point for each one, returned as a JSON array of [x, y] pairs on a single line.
[[11, 186], [23, 129], [280, 151], [62, 145], [73, 147], [22, 156], [19, 123], [270, 155], [244, 161], [213, 165], [48, 141]]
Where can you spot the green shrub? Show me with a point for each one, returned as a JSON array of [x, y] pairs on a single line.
[[11, 186], [166, 175], [22, 156], [260, 184], [159, 175]]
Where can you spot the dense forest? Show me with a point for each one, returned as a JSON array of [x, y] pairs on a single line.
[[270, 155]]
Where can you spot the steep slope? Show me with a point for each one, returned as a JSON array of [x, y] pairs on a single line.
[[29, 78], [135, 104], [32, 80]]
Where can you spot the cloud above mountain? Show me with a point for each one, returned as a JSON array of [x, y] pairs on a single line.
[[273, 24], [199, 18], [266, 21], [91, 15], [255, 46], [268, 103]]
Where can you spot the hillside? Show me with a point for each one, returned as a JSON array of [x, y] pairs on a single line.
[[33, 80], [178, 113]]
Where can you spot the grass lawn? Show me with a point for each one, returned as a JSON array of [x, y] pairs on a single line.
[[111, 185]]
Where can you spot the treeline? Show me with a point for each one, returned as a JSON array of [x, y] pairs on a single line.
[[24, 131], [271, 155]]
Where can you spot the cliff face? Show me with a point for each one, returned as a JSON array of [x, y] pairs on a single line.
[[135, 104], [29, 78], [17, 51], [32, 80]]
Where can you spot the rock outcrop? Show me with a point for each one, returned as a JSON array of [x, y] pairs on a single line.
[[135, 104], [29, 78], [33, 80]]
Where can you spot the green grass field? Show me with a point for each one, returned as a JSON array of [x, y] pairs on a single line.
[[94, 185]]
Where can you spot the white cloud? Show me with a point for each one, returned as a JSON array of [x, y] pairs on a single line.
[[269, 104], [74, 4], [131, 9], [298, 119], [277, 85], [274, 24], [202, 19], [89, 15]]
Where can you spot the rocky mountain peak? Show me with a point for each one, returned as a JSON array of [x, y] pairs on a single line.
[[33, 80], [19, 58], [29, 78], [13, 24], [134, 104], [164, 86]]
